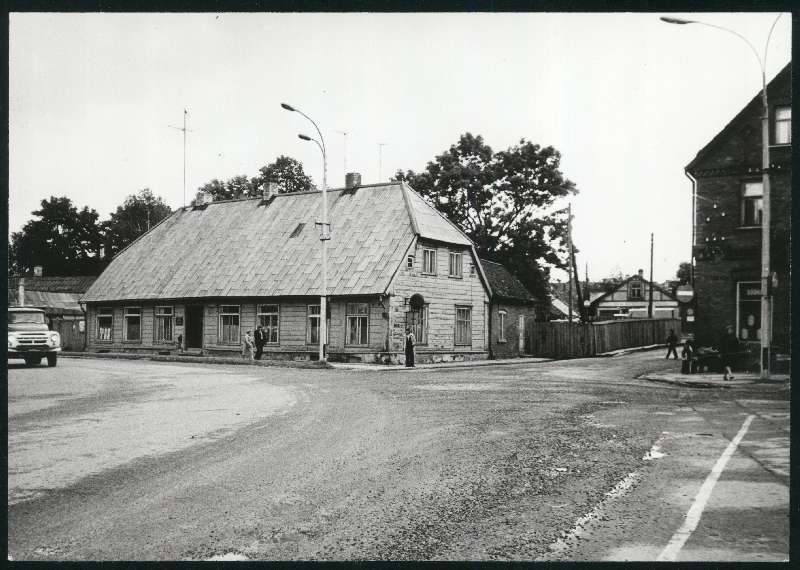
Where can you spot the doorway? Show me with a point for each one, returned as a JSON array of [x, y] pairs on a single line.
[[194, 326]]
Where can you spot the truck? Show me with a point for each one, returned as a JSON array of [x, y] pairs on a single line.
[[29, 337]]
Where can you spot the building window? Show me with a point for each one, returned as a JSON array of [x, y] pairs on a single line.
[[752, 203], [410, 262], [501, 333], [228, 324], [455, 264], [132, 330], [635, 291], [429, 261], [464, 326], [783, 125], [418, 321], [163, 324], [312, 332], [748, 310], [268, 318], [357, 323], [105, 323]]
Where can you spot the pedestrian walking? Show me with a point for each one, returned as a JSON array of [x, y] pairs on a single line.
[[672, 345], [247, 346], [260, 340], [410, 342], [687, 354], [728, 347]]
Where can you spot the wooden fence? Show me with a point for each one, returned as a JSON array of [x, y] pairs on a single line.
[[576, 340]]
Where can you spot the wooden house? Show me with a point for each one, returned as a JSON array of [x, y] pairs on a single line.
[[631, 298], [204, 276]]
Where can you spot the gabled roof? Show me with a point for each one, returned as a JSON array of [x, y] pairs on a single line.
[[624, 284], [252, 247], [51, 303], [504, 285], [54, 284]]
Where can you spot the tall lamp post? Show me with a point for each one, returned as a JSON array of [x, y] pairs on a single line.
[[766, 308], [324, 234]]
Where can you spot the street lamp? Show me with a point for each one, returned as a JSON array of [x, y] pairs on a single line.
[[766, 309], [324, 232]]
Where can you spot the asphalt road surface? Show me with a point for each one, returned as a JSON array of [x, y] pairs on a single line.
[[571, 460]]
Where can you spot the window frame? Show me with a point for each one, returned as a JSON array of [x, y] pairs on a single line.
[[222, 313], [458, 265], [159, 315], [420, 329], [100, 312], [362, 324], [429, 255], [309, 329], [468, 322], [739, 302], [743, 200], [126, 315], [269, 328], [410, 262], [640, 286], [776, 122], [501, 320]]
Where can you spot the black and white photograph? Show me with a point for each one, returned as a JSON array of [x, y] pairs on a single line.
[[399, 286]]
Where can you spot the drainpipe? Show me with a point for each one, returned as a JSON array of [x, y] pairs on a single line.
[[694, 223], [489, 326]]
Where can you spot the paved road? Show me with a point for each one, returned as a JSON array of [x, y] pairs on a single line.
[[120, 460]]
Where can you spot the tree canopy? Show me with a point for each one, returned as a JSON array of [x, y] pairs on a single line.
[[135, 216], [684, 273], [501, 201], [286, 172]]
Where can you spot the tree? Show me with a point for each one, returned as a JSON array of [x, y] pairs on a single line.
[[137, 214], [63, 241], [217, 190], [684, 273], [287, 173], [498, 199]]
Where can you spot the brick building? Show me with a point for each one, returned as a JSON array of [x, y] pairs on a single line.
[[205, 275], [726, 245]]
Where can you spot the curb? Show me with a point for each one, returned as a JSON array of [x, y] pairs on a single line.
[[436, 366], [624, 351], [311, 364], [716, 384]]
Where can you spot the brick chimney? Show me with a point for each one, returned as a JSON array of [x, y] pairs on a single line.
[[269, 189], [352, 180], [641, 274], [203, 198]]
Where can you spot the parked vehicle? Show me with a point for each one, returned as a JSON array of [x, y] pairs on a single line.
[[29, 337]]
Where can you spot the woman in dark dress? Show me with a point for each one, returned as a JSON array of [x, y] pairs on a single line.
[[410, 341], [728, 347]]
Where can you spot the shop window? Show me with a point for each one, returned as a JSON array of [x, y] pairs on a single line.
[[748, 313], [132, 329], [269, 319], [105, 323], [163, 324], [357, 323], [228, 324]]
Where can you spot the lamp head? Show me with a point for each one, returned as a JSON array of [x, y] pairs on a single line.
[[678, 21], [304, 137], [288, 107]]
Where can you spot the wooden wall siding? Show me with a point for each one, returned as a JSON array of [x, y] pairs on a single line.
[[442, 293]]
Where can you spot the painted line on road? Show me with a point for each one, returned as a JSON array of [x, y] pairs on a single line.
[[673, 548]]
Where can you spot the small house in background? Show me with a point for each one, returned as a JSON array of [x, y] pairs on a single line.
[[58, 297], [208, 273], [630, 300], [510, 307]]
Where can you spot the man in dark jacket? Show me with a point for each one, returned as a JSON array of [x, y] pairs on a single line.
[[261, 340], [672, 345]]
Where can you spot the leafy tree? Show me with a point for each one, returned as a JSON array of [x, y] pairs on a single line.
[[287, 173], [137, 214], [241, 187], [684, 273], [217, 189], [497, 198], [64, 240]]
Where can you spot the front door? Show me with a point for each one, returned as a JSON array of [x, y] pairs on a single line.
[[194, 326]]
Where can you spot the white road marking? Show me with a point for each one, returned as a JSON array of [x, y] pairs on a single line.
[[673, 548], [228, 557]]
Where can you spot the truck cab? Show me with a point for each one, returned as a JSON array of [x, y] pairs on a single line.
[[29, 337]]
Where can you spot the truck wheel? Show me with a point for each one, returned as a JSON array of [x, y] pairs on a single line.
[[32, 360], [52, 359]]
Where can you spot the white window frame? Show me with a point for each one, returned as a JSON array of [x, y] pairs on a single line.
[[457, 263], [749, 195], [783, 137], [419, 326], [266, 315], [353, 312], [468, 322], [312, 314], [164, 314], [640, 286], [128, 313], [225, 311], [428, 261], [410, 262], [501, 333], [104, 313]]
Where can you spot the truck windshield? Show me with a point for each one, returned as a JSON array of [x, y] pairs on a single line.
[[34, 318]]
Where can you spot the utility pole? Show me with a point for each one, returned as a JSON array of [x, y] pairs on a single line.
[[569, 255], [650, 294], [185, 130], [380, 160]]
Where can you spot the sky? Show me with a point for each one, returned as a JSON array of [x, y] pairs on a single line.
[[627, 99]]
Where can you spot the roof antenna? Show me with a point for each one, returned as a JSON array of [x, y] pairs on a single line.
[[185, 130]]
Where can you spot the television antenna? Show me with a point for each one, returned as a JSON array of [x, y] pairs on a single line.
[[185, 130]]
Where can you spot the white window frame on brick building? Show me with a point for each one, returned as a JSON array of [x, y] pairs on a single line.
[[429, 261], [162, 329], [752, 201], [456, 264], [783, 125], [229, 324], [463, 326], [501, 332], [105, 324], [357, 324], [268, 316], [132, 324]]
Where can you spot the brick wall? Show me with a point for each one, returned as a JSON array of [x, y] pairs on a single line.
[[509, 348]]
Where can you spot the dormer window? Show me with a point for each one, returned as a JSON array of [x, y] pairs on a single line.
[[783, 125]]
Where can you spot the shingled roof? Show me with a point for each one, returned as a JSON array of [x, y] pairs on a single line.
[[252, 247], [504, 285]]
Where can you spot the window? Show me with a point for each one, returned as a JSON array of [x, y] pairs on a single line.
[[132, 331], [163, 324], [410, 262], [268, 318], [464, 325], [429, 261], [455, 264], [105, 323], [501, 333], [357, 323], [228, 324], [312, 332], [752, 203], [783, 125], [418, 321], [635, 291], [748, 310]]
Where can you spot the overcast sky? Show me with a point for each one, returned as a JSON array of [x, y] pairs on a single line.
[[625, 98]]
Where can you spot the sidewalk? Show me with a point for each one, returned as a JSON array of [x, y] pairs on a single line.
[[714, 380], [196, 359], [436, 365]]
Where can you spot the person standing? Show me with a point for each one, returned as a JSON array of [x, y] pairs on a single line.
[[247, 346], [410, 342], [260, 340], [672, 345], [728, 347]]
